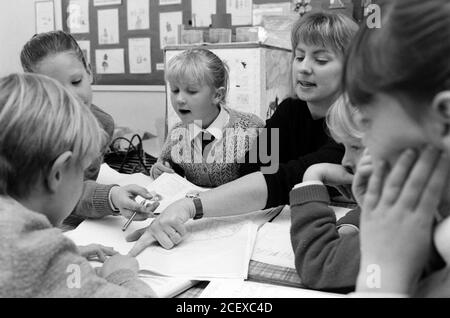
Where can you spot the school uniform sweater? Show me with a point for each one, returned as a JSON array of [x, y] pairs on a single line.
[[324, 259], [303, 141], [37, 260], [223, 160]]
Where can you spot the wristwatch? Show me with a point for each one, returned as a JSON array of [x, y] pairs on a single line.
[[197, 203]]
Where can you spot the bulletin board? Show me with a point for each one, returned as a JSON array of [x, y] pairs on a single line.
[[102, 61]]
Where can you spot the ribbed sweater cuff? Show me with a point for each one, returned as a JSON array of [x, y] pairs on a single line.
[[309, 193], [100, 200]]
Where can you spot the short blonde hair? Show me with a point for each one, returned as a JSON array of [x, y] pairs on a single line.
[[198, 65], [39, 121], [341, 120]]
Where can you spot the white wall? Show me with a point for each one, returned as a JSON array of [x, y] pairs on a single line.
[[140, 108]]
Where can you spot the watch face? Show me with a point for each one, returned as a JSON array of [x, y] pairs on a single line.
[[192, 195]]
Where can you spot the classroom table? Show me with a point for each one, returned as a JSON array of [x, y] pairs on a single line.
[[257, 272]]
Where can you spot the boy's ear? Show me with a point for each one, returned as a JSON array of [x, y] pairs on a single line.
[[220, 94], [56, 172]]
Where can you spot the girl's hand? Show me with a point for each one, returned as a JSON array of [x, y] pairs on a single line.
[[96, 252], [363, 172], [118, 262], [396, 220], [124, 199], [159, 168], [328, 173]]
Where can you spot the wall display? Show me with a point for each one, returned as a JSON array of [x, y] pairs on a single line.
[[45, 16], [138, 14], [116, 24], [86, 48], [110, 61], [139, 55]]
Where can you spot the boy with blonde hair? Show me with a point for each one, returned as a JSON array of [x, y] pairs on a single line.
[[46, 142]]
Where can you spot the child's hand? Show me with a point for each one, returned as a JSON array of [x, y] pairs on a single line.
[[123, 199], [396, 221], [96, 251], [329, 174], [118, 261], [362, 175], [159, 168]]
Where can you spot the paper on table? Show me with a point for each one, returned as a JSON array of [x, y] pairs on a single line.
[[273, 246], [245, 289], [273, 242], [164, 287], [212, 248]]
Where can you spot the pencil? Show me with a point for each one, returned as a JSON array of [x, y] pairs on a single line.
[[124, 228]]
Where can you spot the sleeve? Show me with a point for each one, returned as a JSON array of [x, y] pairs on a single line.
[[166, 152], [278, 120], [43, 262], [323, 259], [289, 174], [94, 202]]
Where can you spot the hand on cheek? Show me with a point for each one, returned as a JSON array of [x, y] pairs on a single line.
[[397, 217]]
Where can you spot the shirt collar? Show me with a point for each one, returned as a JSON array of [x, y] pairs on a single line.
[[216, 128]]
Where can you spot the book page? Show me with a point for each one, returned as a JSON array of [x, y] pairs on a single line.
[[213, 247]]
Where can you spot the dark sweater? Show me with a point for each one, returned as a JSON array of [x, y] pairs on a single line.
[[324, 259], [303, 142], [328, 261]]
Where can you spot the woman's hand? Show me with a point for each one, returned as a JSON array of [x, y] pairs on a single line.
[[396, 220], [168, 228]]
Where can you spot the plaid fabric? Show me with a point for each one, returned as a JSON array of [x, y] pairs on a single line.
[[272, 274]]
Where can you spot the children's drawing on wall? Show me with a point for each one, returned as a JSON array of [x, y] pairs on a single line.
[[139, 55], [168, 27], [241, 11], [78, 16], [336, 4], [138, 14], [110, 61], [108, 26]]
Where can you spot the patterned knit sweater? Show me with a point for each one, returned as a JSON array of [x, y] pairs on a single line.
[[227, 154]]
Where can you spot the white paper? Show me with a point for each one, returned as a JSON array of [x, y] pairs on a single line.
[[166, 287], [168, 2], [168, 28], [45, 18], [110, 61], [244, 289], [273, 246], [98, 3], [108, 26], [107, 175], [241, 11], [212, 247], [139, 55], [138, 14], [78, 16], [85, 46], [202, 11]]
